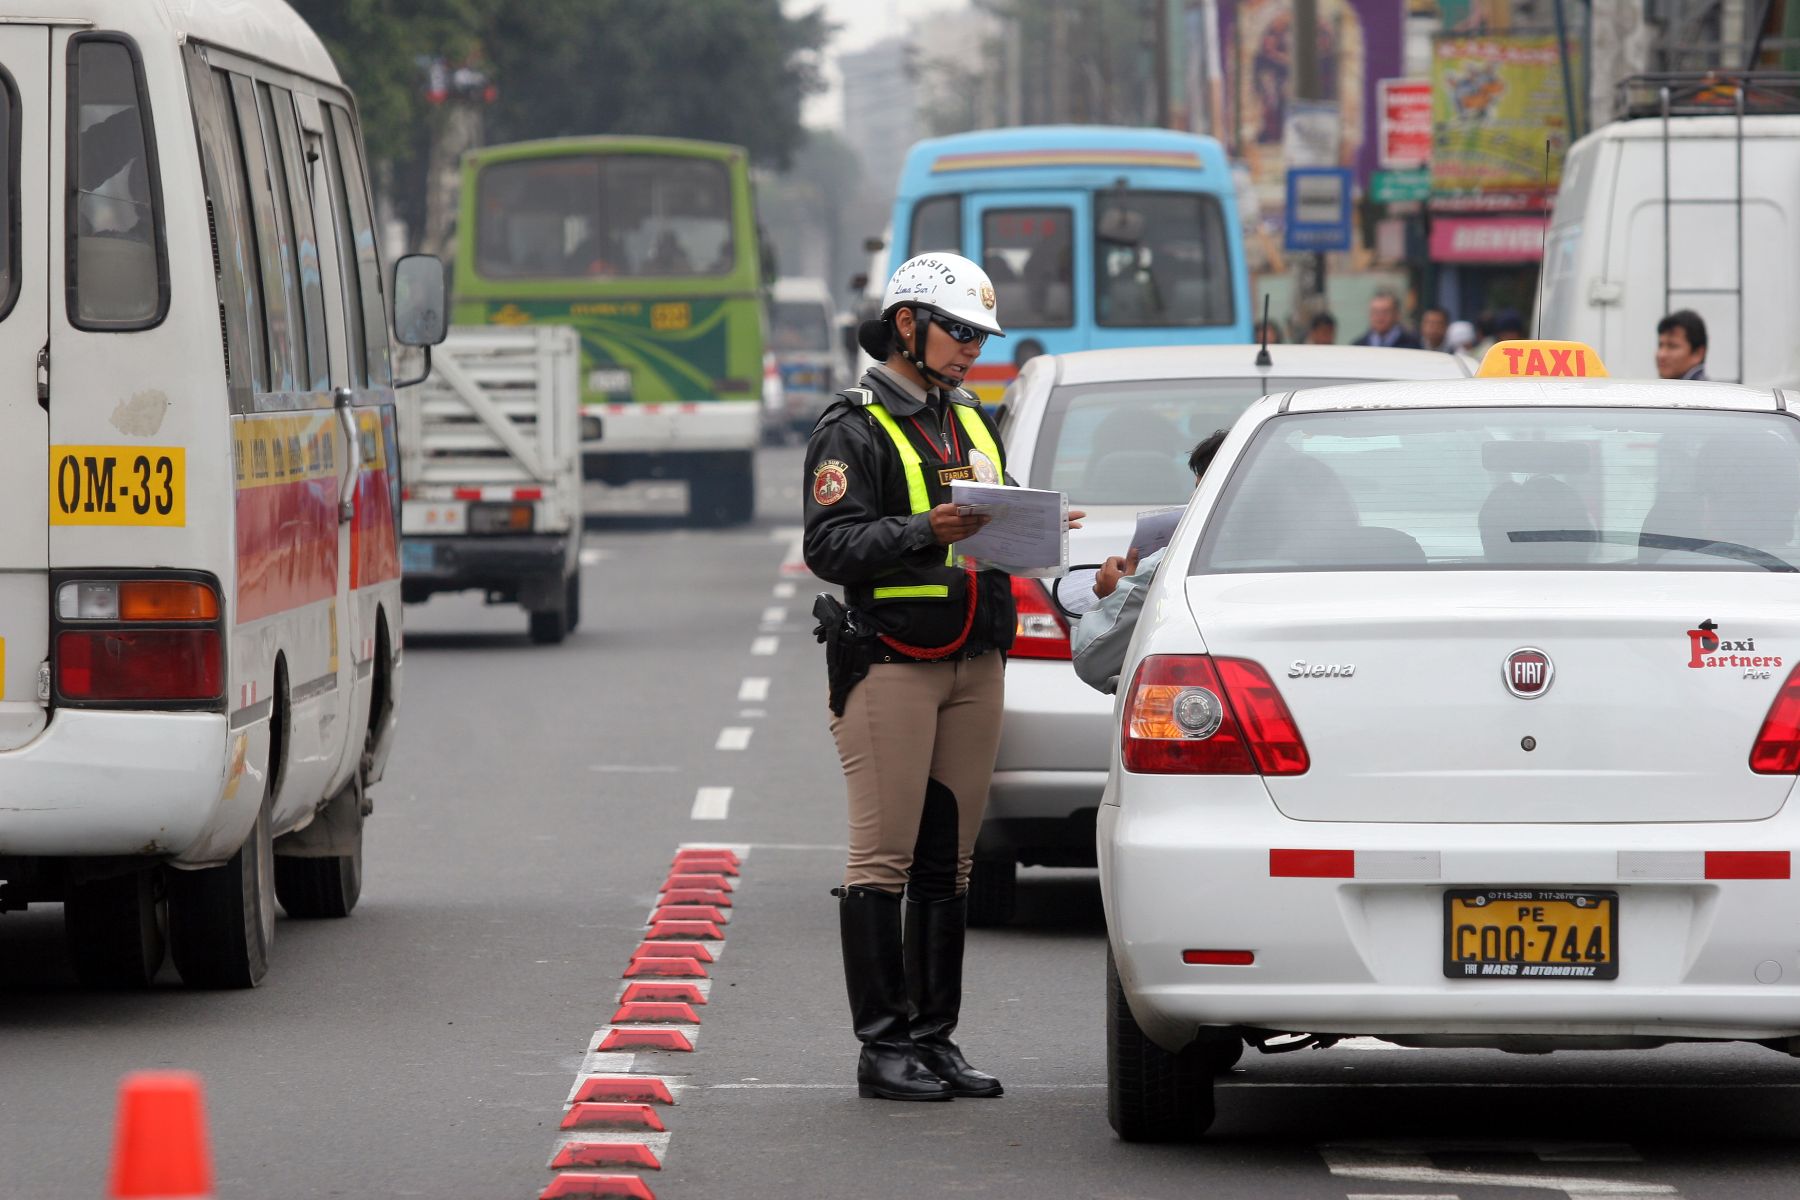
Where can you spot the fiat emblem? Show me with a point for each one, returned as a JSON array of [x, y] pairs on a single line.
[[1528, 672]]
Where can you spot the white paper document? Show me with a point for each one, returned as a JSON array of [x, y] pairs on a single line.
[[1027, 530], [1155, 529]]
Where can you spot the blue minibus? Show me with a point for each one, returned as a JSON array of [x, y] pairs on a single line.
[[1095, 236]]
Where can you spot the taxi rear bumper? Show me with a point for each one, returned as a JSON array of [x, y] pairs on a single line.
[[1189, 864]]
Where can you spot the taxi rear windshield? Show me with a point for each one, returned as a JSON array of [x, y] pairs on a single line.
[[1511, 489]]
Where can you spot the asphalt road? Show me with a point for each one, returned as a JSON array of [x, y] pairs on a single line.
[[427, 1046]]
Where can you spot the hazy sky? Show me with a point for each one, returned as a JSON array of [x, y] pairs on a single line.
[[860, 22]]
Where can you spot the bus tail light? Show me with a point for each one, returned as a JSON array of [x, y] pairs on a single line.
[[1041, 631], [1194, 715], [145, 641], [133, 665]]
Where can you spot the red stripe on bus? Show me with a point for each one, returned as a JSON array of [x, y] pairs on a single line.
[[287, 546], [995, 371], [374, 546]]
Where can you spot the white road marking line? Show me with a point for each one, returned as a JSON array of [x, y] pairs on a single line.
[[754, 690], [1543, 1151], [787, 533], [631, 769], [590, 556], [733, 737], [1402, 1196], [712, 804], [753, 714], [785, 590], [765, 646], [1406, 1168], [612, 1062], [775, 614], [1367, 1043]]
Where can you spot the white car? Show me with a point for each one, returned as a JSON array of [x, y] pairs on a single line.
[[1462, 715], [1113, 429]]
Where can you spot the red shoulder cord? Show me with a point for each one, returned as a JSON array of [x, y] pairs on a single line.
[[932, 654]]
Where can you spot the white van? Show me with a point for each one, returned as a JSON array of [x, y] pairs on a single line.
[[807, 347], [1697, 209], [199, 565]]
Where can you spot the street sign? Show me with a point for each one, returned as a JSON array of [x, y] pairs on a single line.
[[1404, 108], [1318, 208], [1400, 187]]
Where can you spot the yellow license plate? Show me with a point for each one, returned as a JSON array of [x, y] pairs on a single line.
[[118, 485], [1530, 933]]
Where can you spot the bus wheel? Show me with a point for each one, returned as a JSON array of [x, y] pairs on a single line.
[[328, 885], [572, 601], [222, 919], [723, 492], [114, 929]]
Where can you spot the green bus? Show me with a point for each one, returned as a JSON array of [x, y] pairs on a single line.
[[649, 247]]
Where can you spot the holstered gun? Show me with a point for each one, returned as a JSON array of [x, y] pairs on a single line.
[[847, 648]]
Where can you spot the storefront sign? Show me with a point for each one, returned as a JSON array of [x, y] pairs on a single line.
[[1487, 239], [1399, 187], [1403, 112]]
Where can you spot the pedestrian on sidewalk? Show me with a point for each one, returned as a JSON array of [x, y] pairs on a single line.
[[915, 665], [1385, 328]]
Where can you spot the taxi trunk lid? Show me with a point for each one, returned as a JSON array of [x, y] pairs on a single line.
[[1658, 684]]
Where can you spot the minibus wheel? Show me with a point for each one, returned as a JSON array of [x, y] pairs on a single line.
[[115, 930], [1151, 1095], [328, 885], [222, 919]]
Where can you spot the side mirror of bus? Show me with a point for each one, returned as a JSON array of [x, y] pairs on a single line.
[[421, 301]]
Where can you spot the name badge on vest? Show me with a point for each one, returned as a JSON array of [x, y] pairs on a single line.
[[946, 474]]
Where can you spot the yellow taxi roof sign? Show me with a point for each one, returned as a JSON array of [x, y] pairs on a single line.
[[1538, 359]]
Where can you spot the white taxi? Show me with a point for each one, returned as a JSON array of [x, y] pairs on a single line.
[[1462, 714]]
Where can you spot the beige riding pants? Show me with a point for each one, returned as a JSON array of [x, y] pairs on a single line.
[[905, 727]]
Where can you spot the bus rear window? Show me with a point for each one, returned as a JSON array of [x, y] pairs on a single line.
[[1029, 254], [626, 215], [1160, 260], [118, 267]]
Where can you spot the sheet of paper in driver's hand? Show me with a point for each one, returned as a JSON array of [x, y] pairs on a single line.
[[1026, 533], [1155, 529]]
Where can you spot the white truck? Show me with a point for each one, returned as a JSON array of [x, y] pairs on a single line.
[[1689, 199], [491, 464]]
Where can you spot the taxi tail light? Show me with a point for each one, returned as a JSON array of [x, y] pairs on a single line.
[[1776, 750], [1041, 631], [1195, 715], [140, 664]]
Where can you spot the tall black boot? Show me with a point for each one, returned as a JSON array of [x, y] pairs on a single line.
[[874, 972], [934, 961]]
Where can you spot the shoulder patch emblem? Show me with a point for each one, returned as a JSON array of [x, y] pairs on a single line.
[[831, 480]]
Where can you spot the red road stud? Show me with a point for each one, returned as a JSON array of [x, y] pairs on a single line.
[[716, 883], [575, 1183], [645, 1039], [689, 912], [724, 864], [697, 896], [667, 993], [613, 1116], [606, 1154], [668, 930], [623, 1089], [654, 1014], [709, 852], [694, 950], [667, 968]]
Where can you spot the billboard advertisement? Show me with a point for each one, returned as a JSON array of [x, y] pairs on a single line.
[[1496, 101]]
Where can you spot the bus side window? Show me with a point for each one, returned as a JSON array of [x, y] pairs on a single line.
[[280, 291], [118, 259], [936, 225], [368, 255], [234, 239], [298, 197], [344, 239]]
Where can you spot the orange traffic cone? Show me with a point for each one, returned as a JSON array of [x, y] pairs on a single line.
[[160, 1149]]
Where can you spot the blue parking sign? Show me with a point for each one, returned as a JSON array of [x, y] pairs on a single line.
[[1318, 208]]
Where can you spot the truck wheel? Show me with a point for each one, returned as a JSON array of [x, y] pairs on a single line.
[[993, 891], [114, 930], [222, 919], [1151, 1095], [549, 627], [724, 491], [572, 601], [319, 887]]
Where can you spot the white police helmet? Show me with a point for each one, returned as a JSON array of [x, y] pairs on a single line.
[[950, 285]]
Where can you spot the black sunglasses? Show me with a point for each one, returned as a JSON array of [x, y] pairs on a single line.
[[962, 334]]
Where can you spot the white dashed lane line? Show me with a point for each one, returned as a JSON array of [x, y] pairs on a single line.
[[733, 737], [754, 690], [765, 646], [774, 615], [785, 590], [712, 804]]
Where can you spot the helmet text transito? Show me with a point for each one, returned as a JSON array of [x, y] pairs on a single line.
[[948, 284]]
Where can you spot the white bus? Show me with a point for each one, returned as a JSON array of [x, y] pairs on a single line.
[[199, 574]]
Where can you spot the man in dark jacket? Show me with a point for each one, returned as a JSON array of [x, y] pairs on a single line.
[[1385, 328]]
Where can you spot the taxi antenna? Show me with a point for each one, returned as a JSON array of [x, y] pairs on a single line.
[[1544, 245], [1262, 355]]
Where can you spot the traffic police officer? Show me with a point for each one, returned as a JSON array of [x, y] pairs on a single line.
[[915, 663]]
